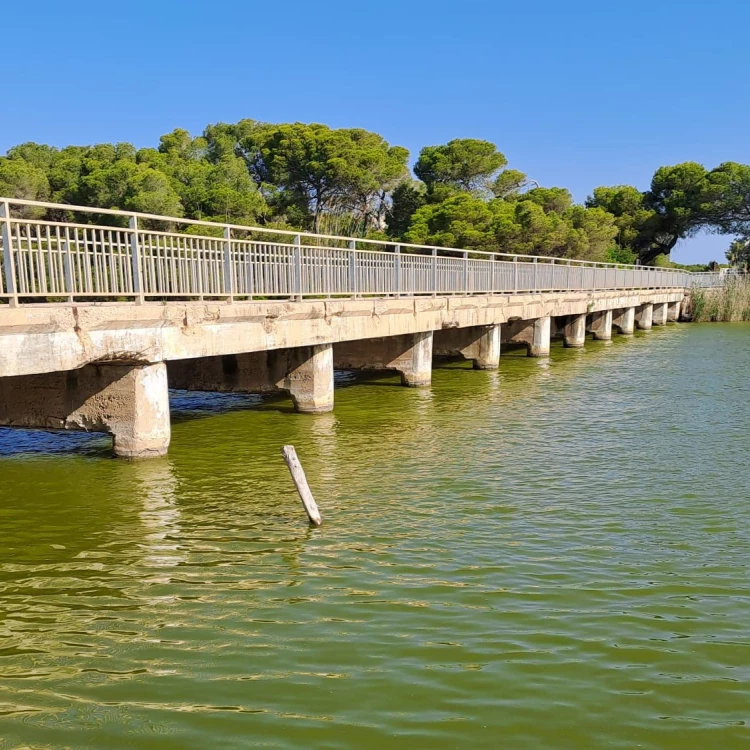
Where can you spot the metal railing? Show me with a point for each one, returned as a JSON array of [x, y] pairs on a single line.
[[97, 253]]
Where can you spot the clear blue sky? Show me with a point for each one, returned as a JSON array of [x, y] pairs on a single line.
[[575, 93]]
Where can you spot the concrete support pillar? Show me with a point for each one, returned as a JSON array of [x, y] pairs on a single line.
[[408, 354], [535, 334], [624, 320], [480, 344], [673, 311], [309, 378], [305, 372], [128, 401], [644, 316], [574, 330], [601, 325], [659, 317]]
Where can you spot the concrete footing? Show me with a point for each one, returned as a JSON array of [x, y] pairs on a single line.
[[644, 316], [408, 354], [659, 317], [130, 402], [601, 325], [624, 320], [574, 330], [535, 334], [480, 344]]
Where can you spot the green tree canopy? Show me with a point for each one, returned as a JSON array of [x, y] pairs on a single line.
[[465, 164]]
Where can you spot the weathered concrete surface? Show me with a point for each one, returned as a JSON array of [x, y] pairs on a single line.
[[659, 317], [624, 320], [306, 373], [129, 402], [408, 354], [47, 338], [601, 325], [574, 330], [480, 344], [535, 334], [673, 311], [644, 316]]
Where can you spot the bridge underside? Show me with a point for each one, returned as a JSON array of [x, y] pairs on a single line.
[[108, 367]]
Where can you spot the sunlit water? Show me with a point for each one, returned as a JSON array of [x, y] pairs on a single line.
[[555, 555]]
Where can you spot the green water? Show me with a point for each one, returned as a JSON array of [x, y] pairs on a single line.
[[555, 555]]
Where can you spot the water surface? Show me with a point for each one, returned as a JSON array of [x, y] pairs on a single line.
[[555, 555]]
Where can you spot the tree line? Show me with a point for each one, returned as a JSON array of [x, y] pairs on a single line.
[[350, 181]]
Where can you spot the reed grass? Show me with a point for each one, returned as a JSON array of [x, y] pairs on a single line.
[[730, 302]]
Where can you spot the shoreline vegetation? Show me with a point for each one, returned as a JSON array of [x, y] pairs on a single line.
[[352, 182], [726, 304]]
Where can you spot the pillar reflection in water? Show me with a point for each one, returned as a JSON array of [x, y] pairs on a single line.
[[160, 515]]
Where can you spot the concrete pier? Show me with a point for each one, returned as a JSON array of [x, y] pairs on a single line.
[[409, 354], [659, 317], [624, 320], [535, 334], [309, 378], [574, 331], [305, 373], [644, 316], [130, 402], [601, 325], [480, 344], [673, 311]]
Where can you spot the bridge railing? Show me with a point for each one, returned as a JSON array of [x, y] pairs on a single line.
[[95, 253]]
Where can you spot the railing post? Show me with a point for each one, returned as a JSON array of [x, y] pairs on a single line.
[[434, 272], [297, 257], [136, 262], [9, 261], [466, 272], [567, 282], [397, 270], [353, 267], [68, 267], [492, 273], [515, 273], [228, 275], [535, 273], [554, 275]]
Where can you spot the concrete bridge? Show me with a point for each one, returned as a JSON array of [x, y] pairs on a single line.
[[105, 311]]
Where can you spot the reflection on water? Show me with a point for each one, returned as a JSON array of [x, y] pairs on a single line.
[[554, 555]]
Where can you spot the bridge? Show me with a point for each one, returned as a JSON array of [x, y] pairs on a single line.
[[102, 311]]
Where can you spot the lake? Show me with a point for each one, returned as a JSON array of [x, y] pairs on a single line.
[[555, 555]]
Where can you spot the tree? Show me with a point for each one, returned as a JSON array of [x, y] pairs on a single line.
[[462, 220], [550, 199], [680, 202], [738, 254], [407, 197], [465, 164], [508, 183], [23, 180]]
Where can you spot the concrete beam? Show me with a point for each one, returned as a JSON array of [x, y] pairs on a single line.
[[624, 320], [480, 344], [574, 330], [535, 334], [601, 325], [130, 402], [51, 337], [410, 355], [644, 316], [659, 317]]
